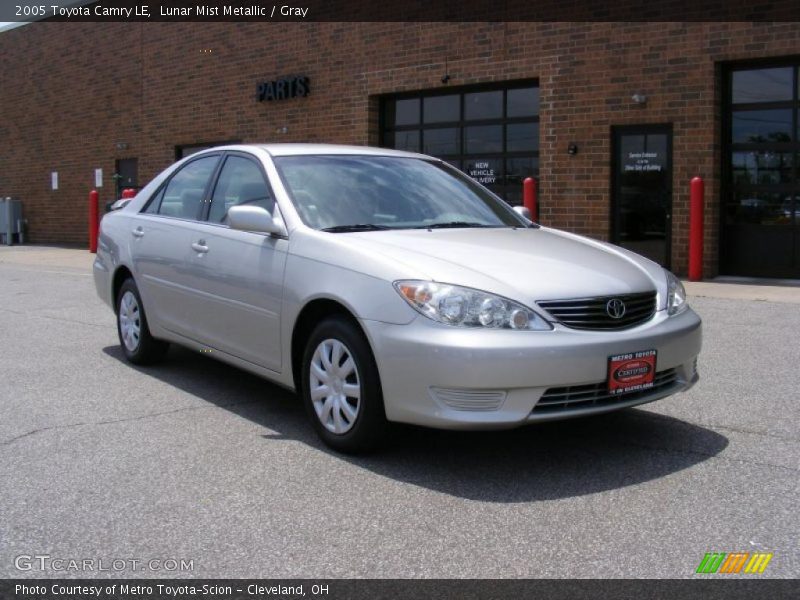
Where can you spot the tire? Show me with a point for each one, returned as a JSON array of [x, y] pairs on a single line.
[[139, 347], [348, 415]]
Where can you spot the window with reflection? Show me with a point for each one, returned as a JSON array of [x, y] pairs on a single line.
[[182, 196], [763, 149], [762, 85], [483, 105], [761, 126], [491, 133], [483, 139], [762, 167], [405, 112], [240, 183], [441, 141], [439, 109]]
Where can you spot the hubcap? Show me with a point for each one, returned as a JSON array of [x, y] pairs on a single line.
[[335, 386], [130, 323]]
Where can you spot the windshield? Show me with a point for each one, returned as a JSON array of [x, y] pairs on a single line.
[[363, 193]]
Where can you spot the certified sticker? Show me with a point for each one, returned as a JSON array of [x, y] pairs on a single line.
[[631, 372]]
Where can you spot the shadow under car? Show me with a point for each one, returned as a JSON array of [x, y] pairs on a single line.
[[544, 461]]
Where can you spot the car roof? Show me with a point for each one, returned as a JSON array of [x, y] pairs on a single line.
[[321, 149]]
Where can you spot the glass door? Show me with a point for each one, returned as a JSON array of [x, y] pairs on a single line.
[[760, 232], [127, 175], [641, 202]]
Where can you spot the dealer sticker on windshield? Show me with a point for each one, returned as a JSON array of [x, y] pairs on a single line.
[[631, 372]]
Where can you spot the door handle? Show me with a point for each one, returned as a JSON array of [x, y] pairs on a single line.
[[138, 232], [200, 246]]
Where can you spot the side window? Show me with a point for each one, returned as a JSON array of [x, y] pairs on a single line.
[[154, 203], [240, 182], [183, 195]]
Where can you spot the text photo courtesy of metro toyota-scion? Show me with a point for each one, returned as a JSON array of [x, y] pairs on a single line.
[[315, 300]]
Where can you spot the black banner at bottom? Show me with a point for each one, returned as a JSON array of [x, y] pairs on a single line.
[[379, 589]]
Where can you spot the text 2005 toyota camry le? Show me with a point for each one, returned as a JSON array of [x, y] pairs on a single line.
[[388, 286]]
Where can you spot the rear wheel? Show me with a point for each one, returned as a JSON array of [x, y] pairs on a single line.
[[138, 345], [341, 387]]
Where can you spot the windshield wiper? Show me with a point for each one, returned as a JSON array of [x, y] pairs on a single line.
[[355, 227], [454, 225]]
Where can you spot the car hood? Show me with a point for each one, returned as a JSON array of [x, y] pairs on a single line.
[[525, 264]]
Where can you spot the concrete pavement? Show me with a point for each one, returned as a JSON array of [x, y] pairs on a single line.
[[192, 459]]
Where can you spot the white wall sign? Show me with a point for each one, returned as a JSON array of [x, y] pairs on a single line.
[[98, 178], [54, 180]]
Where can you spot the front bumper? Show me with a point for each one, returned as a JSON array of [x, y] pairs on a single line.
[[451, 378]]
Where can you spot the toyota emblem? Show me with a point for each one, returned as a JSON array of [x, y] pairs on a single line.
[[615, 308]]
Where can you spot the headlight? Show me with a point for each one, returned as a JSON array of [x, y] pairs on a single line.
[[465, 307], [676, 295]]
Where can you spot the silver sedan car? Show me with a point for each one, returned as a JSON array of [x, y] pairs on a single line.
[[385, 286]]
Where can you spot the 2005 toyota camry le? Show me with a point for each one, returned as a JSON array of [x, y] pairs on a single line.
[[386, 286]]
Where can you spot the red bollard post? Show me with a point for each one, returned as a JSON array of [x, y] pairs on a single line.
[[696, 197], [529, 196], [94, 220], [128, 193]]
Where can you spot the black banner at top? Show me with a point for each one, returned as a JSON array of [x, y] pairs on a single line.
[[407, 10]]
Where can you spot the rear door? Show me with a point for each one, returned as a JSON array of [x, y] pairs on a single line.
[[161, 246], [238, 276]]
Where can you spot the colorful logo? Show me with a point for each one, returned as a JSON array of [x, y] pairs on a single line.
[[734, 562]]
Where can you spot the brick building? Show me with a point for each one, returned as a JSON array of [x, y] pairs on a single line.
[[613, 119]]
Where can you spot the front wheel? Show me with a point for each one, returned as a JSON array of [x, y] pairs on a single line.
[[139, 346], [341, 388]]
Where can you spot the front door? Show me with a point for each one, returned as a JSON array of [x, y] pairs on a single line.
[[237, 276], [641, 202]]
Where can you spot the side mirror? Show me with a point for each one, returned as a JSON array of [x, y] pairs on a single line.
[[523, 212], [253, 218], [116, 205]]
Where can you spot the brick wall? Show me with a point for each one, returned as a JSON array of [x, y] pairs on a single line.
[[71, 91]]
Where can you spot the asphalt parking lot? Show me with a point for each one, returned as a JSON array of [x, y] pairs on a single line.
[[195, 460]]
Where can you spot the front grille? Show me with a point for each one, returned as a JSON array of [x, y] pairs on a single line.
[[577, 397], [592, 313]]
